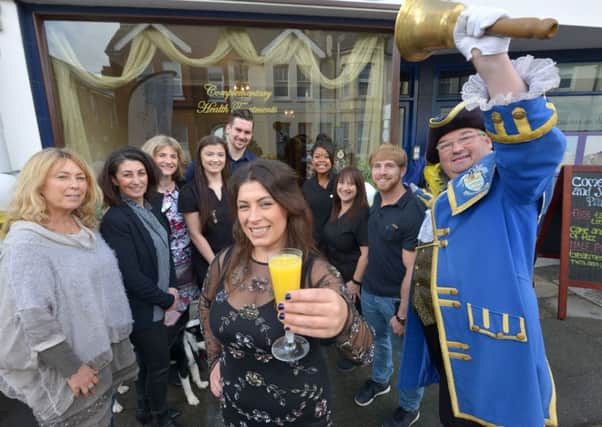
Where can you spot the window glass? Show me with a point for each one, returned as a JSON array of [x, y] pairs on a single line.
[[139, 80], [582, 77], [579, 112], [450, 83]]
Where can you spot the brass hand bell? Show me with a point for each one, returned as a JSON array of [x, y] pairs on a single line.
[[424, 26]]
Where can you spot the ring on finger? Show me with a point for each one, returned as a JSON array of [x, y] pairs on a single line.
[[90, 386]]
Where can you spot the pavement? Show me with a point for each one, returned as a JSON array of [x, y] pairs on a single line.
[[574, 348]]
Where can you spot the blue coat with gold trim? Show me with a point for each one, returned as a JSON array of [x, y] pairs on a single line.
[[485, 306]]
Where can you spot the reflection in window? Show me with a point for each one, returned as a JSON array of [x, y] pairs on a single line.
[[281, 81], [176, 67], [305, 129], [215, 78], [98, 72], [326, 128], [303, 84], [363, 82], [579, 113], [404, 86], [582, 77], [450, 83]]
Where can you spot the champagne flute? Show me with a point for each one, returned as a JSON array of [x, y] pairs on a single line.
[[285, 270]]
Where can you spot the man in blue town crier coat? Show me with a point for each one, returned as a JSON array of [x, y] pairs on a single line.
[[475, 320]]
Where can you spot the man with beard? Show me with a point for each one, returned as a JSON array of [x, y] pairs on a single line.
[[393, 225], [239, 134]]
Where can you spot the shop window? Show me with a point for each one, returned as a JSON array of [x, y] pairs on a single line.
[[96, 72]]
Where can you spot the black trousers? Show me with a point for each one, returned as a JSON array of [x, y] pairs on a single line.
[[446, 414], [152, 352]]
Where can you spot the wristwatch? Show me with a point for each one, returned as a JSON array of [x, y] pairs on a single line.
[[401, 321]]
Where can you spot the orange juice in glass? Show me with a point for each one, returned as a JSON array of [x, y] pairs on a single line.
[[285, 272]]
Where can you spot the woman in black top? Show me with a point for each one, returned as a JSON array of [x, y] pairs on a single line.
[[318, 190], [204, 202], [139, 234], [346, 235]]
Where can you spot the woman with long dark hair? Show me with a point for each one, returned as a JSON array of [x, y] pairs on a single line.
[[346, 235], [205, 205], [139, 234], [241, 320]]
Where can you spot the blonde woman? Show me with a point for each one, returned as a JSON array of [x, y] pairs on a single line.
[[168, 155], [170, 160], [64, 316]]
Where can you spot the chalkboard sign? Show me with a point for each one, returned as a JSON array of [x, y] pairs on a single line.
[[572, 230], [585, 229]]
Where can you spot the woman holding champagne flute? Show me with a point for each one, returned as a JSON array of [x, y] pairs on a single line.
[[242, 319]]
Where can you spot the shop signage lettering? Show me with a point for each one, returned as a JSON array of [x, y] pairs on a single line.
[[205, 107], [208, 107], [214, 92]]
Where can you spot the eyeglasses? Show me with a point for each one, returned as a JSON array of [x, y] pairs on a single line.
[[447, 146]]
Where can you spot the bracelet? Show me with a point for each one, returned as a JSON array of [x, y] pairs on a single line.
[[401, 321], [356, 282]]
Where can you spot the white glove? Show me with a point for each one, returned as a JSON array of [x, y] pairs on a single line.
[[469, 32]]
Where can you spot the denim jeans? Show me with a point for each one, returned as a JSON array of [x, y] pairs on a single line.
[[378, 311]]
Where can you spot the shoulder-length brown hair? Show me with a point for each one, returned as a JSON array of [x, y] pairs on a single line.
[[360, 201], [158, 142], [280, 180], [109, 171], [201, 184], [27, 203]]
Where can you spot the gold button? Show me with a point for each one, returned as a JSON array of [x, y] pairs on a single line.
[[496, 117], [499, 335], [443, 243], [521, 336], [518, 115], [475, 328], [417, 283]]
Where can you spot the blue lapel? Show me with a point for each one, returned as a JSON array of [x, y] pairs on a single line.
[[471, 186]]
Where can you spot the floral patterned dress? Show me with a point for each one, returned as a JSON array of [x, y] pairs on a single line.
[[240, 324]]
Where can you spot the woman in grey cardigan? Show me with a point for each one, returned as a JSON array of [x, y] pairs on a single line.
[[64, 315]]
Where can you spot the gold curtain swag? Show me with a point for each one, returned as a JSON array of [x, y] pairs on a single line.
[[367, 49]]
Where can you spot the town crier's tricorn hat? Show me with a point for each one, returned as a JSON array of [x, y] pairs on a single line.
[[459, 117]]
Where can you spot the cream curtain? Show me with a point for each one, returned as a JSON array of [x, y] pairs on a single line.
[[367, 49]]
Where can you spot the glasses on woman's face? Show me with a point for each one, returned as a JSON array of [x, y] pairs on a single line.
[[447, 146]]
